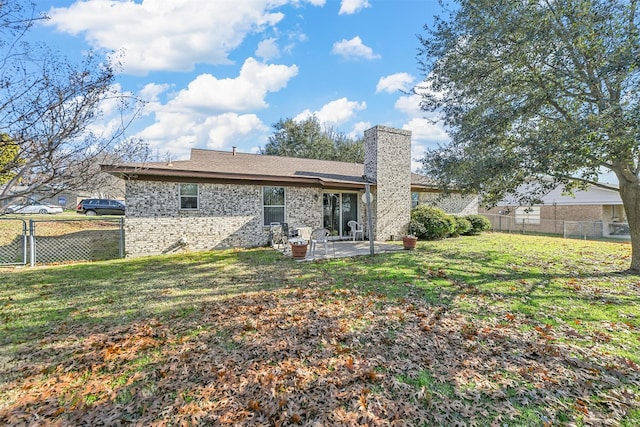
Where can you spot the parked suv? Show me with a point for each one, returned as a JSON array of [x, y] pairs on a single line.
[[100, 207]]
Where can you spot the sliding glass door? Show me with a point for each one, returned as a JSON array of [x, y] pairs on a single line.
[[338, 210]]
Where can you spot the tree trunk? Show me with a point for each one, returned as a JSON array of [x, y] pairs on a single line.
[[630, 195]]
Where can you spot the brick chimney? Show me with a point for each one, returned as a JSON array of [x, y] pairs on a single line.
[[387, 165]]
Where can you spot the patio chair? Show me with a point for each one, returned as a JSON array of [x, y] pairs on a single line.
[[319, 236], [304, 233], [278, 237], [355, 228]]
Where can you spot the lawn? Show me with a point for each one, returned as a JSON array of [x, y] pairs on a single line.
[[503, 330]]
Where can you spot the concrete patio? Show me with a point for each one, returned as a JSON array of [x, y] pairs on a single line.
[[348, 248]]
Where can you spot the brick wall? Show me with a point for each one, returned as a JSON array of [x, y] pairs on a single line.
[[229, 216], [572, 213], [587, 220], [560, 212]]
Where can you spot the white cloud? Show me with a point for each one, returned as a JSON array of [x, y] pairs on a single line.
[[168, 35], [229, 129], [334, 112], [206, 113], [424, 130], [177, 133], [409, 105], [151, 91], [353, 49], [417, 153], [424, 135], [268, 49], [348, 7], [358, 129], [244, 93], [395, 82]]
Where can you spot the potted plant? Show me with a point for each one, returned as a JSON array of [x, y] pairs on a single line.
[[409, 239], [298, 248]]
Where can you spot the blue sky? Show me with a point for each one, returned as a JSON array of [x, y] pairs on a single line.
[[219, 73]]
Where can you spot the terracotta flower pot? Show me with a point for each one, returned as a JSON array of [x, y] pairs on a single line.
[[299, 251], [409, 242]]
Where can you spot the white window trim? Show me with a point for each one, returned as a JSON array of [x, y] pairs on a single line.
[[284, 206], [180, 197]]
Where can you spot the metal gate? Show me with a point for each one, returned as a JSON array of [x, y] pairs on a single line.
[[47, 241], [13, 241]]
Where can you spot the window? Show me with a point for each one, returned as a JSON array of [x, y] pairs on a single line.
[[528, 215], [415, 200], [273, 204], [189, 196]]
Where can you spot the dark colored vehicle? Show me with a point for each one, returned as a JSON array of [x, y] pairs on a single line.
[[100, 207]]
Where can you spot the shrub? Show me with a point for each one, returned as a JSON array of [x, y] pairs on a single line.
[[416, 228], [479, 224], [462, 226], [436, 223]]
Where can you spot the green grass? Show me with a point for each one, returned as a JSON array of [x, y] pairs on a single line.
[[491, 329]]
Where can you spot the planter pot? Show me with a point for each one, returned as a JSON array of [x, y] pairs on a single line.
[[298, 251], [409, 242]]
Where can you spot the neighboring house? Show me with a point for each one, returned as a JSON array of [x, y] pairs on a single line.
[[67, 199], [600, 206], [220, 199]]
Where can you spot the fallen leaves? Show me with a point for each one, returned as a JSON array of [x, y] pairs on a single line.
[[318, 357]]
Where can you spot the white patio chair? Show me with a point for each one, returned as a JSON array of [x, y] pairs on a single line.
[[319, 236], [304, 233], [355, 228]]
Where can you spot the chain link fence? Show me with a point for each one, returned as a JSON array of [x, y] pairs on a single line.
[[13, 241], [567, 229], [48, 241]]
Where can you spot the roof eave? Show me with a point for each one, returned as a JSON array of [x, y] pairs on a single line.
[[156, 174]]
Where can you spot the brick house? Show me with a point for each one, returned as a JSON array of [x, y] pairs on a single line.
[[598, 208], [221, 199]]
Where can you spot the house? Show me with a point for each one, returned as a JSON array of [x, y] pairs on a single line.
[[222, 199], [599, 209], [68, 199]]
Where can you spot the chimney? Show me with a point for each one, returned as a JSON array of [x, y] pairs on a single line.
[[233, 150], [387, 164]]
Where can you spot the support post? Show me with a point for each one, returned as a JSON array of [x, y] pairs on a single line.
[[32, 242], [367, 192]]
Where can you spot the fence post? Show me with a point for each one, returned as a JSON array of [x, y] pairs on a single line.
[[121, 237], [32, 242], [24, 242]]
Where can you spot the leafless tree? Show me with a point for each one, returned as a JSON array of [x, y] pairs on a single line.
[[52, 109]]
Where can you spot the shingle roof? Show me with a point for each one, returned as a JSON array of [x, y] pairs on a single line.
[[230, 167]]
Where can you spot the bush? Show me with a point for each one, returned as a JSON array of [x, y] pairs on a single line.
[[416, 228], [436, 223], [462, 226], [479, 224]]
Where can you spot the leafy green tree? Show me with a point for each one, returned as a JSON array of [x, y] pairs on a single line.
[[9, 160], [50, 109], [535, 94], [309, 139]]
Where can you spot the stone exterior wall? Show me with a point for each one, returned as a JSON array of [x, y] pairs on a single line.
[[229, 216], [455, 204], [388, 164]]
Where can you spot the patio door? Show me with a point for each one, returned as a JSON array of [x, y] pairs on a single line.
[[338, 209]]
